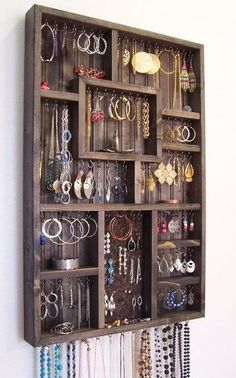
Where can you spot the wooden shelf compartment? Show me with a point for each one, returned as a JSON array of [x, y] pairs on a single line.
[[181, 280], [175, 243], [44, 207], [48, 338], [113, 85], [174, 113], [59, 95], [47, 274], [119, 156], [181, 147]]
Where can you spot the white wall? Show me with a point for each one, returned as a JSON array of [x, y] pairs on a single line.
[[210, 22]]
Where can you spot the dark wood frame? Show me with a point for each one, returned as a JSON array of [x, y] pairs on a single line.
[[33, 206]]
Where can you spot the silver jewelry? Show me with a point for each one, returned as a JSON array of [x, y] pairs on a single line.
[[65, 264], [134, 302], [71, 295], [139, 302], [59, 226], [66, 157], [108, 183], [63, 328], [47, 60], [139, 273], [132, 279], [191, 266]]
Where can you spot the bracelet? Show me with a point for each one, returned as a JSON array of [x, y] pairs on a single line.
[[65, 264], [63, 328]]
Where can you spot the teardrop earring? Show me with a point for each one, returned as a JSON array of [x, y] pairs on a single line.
[[192, 77], [189, 171], [191, 265]]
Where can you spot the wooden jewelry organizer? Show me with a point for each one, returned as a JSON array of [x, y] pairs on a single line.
[[165, 219]]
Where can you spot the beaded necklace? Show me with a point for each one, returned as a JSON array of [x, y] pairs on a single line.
[[158, 352], [145, 361], [186, 367], [57, 361], [45, 353], [71, 356]]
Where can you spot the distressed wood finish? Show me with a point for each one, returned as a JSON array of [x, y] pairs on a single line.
[[65, 87]]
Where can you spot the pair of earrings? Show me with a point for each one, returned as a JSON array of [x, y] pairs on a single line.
[[183, 266], [97, 115], [188, 80], [110, 270], [110, 305], [188, 224], [137, 302], [107, 243], [85, 185]]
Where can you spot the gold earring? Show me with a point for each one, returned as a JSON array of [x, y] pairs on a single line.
[[189, 172]]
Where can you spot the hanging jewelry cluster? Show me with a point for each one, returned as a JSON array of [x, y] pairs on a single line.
[[155, 352]]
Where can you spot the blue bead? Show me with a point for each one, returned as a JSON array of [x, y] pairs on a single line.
[[42, 239], [59, 367]]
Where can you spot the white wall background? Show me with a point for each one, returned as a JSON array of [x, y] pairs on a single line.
[[210, 22]]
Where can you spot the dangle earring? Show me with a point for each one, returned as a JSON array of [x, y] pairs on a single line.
[[99, 184], [191, 223], [132, 279], [191, 264], [108, 182], [110, 279], [164, 225], [89, 186], [191, 296], [192, 77], [177, 263], [184, 77], [79, 181], [124, 180], [171, 264], [71, 295], [97, 114], [185, 223], [139, 272], [183, 268], [116, 188], [65, 50], [131, 246], [126, 54], [189, 171]]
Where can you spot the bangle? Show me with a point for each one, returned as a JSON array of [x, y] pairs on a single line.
[[65, 264]]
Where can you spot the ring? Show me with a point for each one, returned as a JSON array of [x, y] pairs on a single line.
[[64, 328]]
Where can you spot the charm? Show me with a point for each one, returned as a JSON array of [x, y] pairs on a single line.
[[183, 267], [191, 266], [192, 77], [177, 264], [78, 184], [184, 77], [189, 172], [174, 225], [126, 57], [97, 115], [89, 188], [131, 243], [165, 174], [191, 297]]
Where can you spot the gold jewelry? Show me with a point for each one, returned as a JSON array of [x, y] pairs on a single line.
[[169, 134], [138, 118], [131, 101], [111, 109], [165, 174], [155, 64], [151, 181], [142, 62], [170, 52], [177, 168], [127, 108], [189, 172], [134, 48], [126, 54], [145, 119], [89, 109]]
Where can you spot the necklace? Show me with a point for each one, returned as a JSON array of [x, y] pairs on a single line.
[[158, 353], [57, 361], [186, 366], [95, 357], [45, 354], [145, 361], [71, 356]]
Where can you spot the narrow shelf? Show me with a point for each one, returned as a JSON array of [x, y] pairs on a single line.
[[81, 272], [181, 147], [117, 207], [167, 244], [118, 86], [119, 156], [181, 280], [59, 95], [180, 114], [167, 318]]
